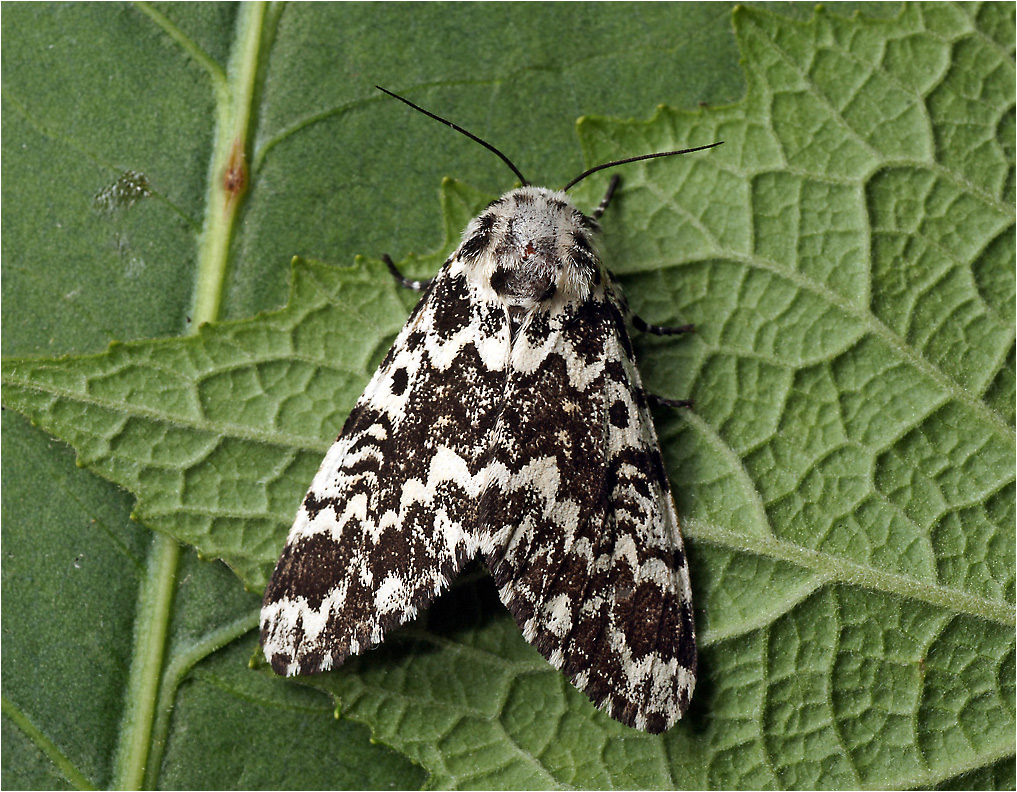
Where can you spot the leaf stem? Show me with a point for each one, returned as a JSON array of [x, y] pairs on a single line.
[[228, 173], [151, 682], [176, 670], [152, 621]]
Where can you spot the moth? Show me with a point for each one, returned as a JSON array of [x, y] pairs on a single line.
[[508, 421]]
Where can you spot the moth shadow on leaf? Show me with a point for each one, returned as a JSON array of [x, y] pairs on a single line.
[[469, 613]]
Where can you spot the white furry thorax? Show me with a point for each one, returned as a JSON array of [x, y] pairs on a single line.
[[532, 247]]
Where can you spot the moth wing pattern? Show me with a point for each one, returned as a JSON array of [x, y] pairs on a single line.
[[387, 521], [583, 539], [509, 420]]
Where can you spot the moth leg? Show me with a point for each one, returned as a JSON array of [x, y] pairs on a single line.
[[663, 401], [416, 285], [640, 324], [607, 197], [645, 327]]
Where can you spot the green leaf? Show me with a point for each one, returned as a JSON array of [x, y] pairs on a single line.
[[845, 480]]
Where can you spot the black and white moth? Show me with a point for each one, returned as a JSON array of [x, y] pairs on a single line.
[[508, 420]]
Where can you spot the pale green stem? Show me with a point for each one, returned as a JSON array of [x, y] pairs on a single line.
[[176, 670], [151, 622], [234, 97], [234, 113]]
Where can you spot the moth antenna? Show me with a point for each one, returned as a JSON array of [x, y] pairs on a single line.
[[584, 174], [458, 128]]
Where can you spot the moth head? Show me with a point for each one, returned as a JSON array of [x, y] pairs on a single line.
[[530, 247]]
